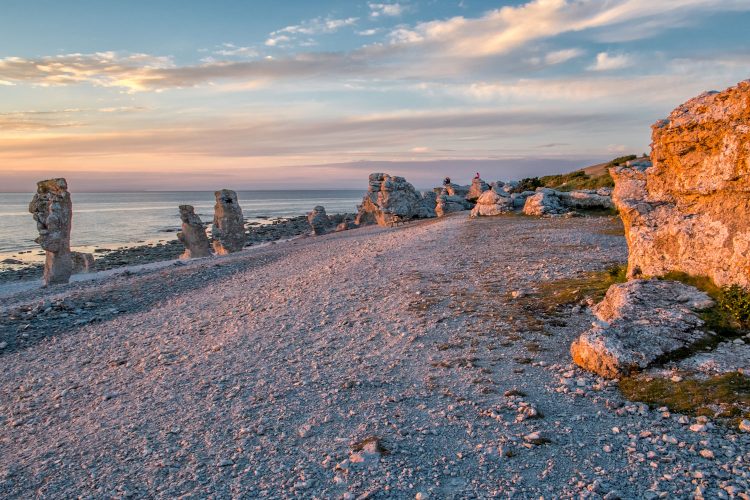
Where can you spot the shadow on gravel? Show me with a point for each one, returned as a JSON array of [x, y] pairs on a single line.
[[28, 325]]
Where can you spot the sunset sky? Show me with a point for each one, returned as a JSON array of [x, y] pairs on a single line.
[[256, 94]]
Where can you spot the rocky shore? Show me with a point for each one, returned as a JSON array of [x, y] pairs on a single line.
[[113, 258]]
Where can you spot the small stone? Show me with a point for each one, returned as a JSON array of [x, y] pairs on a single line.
[[744, 425], [536, 438], [707, 453], [226, 463], [607, 448], [698, 428], [676, 378], [421, 496], [3, 345]]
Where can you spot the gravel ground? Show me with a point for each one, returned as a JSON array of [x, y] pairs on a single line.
[[373, 363]]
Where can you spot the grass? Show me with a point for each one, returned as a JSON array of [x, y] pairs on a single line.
[[593, 285], [724, 396], [730, 316]]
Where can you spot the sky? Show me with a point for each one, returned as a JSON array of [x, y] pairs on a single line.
[[257, 94]]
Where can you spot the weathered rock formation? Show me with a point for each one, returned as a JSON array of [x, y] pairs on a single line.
[[543, 202], [638, 323], [491, 203], [690, 211], [391, 199], [193, 234], [83, 262], [229, 225], [550, 202], [478, 186], [456, 190], [53, 212], [450, 203], [319, 221]]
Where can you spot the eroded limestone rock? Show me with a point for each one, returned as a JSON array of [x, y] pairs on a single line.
[[193, 234], [552, 202], [727, 357], [491, 203], [391, 199], [478, 186], [53, 212], [637, 323], [229, 225], [450, 203], [690, 210], [319, 221], [83, 262]]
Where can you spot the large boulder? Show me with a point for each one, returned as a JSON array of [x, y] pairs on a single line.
[[638, 323], [491, 203], [193, 234], [319, 221], [391, 199], [229, 224], [450, 203], [548, 201], [478, 186], [544, 202], [52, 209], [690, 210]]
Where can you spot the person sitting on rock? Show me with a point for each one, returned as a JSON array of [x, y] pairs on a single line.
[[446, 181], [477, 176]]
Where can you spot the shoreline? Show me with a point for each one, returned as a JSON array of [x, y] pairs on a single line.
[[110, 257]]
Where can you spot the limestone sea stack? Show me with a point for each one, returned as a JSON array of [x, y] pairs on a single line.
[[319, 221], [83, 262], [478, 186], [193, 234], [391, 199], [53, 212], [690, 210], [229, 224]]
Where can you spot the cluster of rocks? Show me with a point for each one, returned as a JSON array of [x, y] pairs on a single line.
[[688, 212], [390, 200]]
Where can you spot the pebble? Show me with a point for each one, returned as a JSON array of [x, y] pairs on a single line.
[[745, 425], [707, 453]]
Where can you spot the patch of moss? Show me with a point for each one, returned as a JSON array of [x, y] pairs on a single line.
[[593, 285], [726, 396]]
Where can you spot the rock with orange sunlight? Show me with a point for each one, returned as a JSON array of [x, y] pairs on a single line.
[[229, 224], [690, 211], [193, 234], [390, 200], [53, 212], [491, 203], [478, 186]]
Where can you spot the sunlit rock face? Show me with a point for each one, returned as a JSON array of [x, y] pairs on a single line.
[[638, 323], [193, 234], [229, 225], [52, 209], [690, 210], [83, 262], [478, 186], [391, 199], [319, 221], [491, 203]]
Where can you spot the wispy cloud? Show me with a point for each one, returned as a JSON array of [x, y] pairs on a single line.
[[317, 26], [232, 50], [606, 62], [385, 9]]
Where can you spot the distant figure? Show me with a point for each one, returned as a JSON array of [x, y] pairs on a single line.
[[477, 176], [446, 181]]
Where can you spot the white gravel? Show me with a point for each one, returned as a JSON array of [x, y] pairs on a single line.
[[255, 375]]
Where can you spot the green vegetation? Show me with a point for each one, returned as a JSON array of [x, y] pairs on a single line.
[[721, 396], [593, 285], [731, 314]]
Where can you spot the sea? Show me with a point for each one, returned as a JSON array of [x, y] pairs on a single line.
[[107, 220]]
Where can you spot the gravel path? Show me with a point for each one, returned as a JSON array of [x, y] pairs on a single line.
[[374, 363]]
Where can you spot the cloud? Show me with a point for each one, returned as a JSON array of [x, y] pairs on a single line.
[[502, 30], [385, 9], [231, 50], [317, 26], [141, 72], [606, 62], [561, 56], [369, 32]]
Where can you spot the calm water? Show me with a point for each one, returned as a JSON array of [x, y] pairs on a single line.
[[107, 219]]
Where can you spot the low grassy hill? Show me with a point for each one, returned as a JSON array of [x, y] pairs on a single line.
[[593, 177]]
